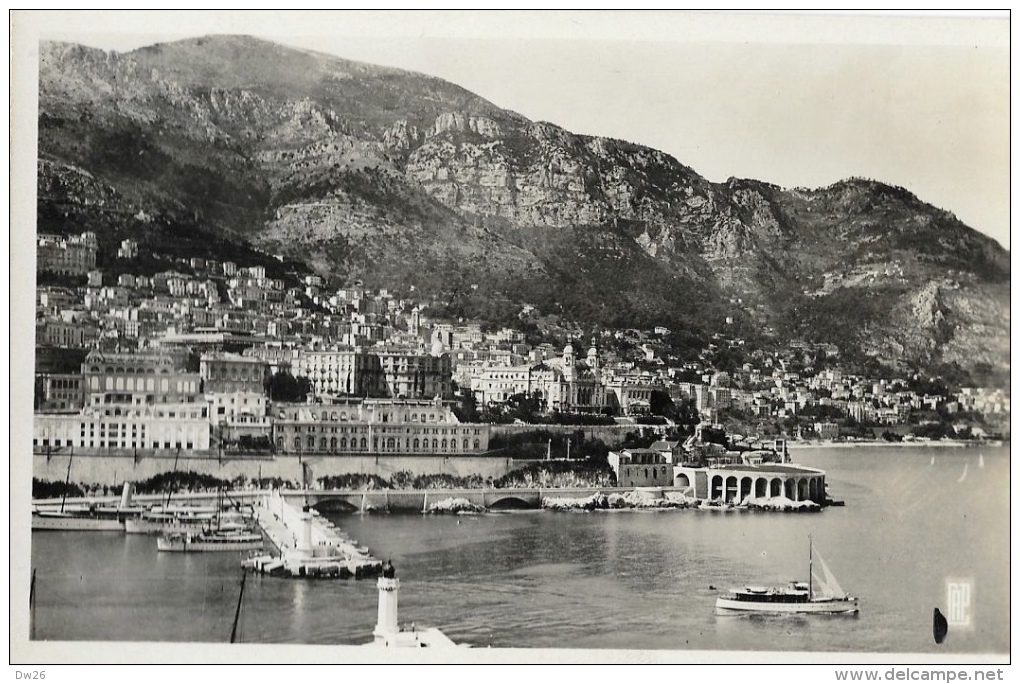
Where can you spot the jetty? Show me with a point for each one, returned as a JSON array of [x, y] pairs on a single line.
[[307, 545]]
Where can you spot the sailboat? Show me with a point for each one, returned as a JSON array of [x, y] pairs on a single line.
[[797, 597]]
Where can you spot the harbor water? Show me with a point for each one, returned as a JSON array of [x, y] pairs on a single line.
[[914, 519]]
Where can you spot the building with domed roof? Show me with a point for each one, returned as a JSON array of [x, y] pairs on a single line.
[[563, 384], [577, 386]]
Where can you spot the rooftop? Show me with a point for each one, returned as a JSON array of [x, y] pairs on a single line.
[[774, 468]]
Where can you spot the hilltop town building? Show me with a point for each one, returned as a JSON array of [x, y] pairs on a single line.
[[75, 255], [377, 373], [222, 372], [117, 381]]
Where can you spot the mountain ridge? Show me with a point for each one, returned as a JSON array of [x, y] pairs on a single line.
[[364, 171]]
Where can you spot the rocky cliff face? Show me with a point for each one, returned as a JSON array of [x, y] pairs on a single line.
[[399, 178]]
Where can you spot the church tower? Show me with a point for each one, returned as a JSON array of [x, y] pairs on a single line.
[[415, 321], [568, 362], [593, 358]]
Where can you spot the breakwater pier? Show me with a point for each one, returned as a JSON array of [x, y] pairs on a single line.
[[307, 545]]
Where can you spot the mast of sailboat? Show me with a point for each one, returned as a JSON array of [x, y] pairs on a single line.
[[170, 489], [67, 481], [237, 612], [31, 606], [219, 507], [810, 568]]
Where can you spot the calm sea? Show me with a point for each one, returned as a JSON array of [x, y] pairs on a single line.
[[914, 518]]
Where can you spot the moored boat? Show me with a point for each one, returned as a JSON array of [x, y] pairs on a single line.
[[166, 520], [84, 518], [210, 541], [797, 597]]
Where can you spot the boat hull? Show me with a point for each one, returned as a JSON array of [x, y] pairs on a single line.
[[146, 526], [77, 524], [730, 605], [202, 546]]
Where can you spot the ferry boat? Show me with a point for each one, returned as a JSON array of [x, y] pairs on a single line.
[[797, 597], [210, 541]]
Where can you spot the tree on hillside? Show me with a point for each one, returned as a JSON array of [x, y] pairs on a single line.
[[684, 413], [283, 386]]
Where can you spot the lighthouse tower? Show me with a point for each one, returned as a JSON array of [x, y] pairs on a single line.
[[387, 631], [386, 628]]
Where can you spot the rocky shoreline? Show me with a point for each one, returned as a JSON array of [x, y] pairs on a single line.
[[454, 506], [660, 500]]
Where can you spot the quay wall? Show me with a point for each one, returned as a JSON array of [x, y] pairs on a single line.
[[418, 500], [114, 469]]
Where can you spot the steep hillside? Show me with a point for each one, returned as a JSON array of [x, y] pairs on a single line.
[[398, 178]]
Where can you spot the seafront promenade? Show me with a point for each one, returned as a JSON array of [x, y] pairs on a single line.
[[368, 500]]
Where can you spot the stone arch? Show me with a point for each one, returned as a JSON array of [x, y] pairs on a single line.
[[746, 487], [731, 488], [716, 491], [790, 489], [802, 489], [761, 487], [681, 480], [776, 487]]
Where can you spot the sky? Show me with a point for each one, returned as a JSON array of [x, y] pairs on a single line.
[[796, 100]]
